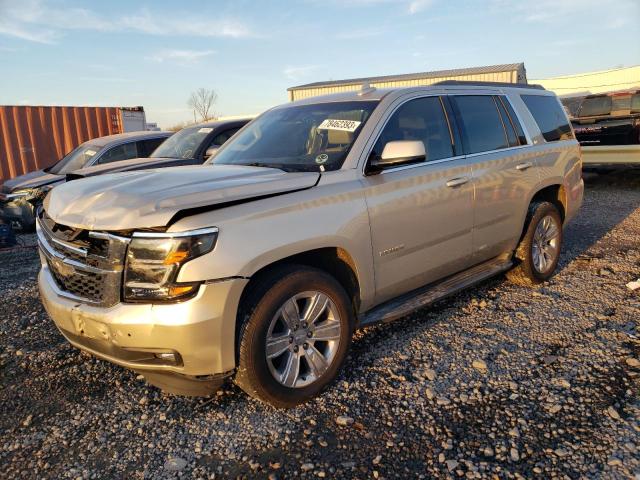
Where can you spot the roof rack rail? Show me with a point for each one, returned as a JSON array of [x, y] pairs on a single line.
[[490, 84]]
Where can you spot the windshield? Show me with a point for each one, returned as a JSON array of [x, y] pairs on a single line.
[[299, 138], [183, 144], [75, 159], [595, 106]]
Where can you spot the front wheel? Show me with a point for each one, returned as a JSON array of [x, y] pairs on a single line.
[[296, 334], [539, 250]]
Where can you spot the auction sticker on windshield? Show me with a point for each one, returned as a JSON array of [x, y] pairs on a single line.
[[344, 125], [205, 130], [90, 153]]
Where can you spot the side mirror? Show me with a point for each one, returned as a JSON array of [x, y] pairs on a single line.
[[396, 153], [210, 152]]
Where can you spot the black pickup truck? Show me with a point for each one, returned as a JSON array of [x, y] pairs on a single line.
[[608, 119]]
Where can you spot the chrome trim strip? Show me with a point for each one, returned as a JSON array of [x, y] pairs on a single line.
[[58, 256], [109, 236], [68, 246], [43, 241], [517, 147], [420, 164], [187, 233]]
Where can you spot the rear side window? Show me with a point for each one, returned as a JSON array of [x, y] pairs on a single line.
[[146, 147], [522, 139], [508, 125], [482, 127], [420, 119], [549, 116]]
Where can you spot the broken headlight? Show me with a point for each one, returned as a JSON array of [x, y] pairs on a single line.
[[154, 260]]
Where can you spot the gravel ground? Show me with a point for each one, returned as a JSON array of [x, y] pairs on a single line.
[[500, 381]]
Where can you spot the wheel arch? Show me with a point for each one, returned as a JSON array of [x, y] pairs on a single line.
[[336, 261]]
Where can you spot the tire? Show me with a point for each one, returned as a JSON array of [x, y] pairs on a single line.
[[275, 310], [528, 272]]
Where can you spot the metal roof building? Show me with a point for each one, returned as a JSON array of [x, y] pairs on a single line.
[[593, 82], [509, 73]]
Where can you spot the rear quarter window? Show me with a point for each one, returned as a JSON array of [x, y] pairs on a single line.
[[549, 116]]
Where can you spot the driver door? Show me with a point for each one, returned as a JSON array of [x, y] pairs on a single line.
[[421, 214]]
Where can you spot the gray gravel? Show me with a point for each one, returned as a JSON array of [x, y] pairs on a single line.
[[500, 381]]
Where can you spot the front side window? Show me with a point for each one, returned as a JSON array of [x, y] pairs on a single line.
[[76, 159], [146, 147], [121, 152], [221, 138], [183, 144], [550, 117], [299, 138], [422, 119], [481, 123]]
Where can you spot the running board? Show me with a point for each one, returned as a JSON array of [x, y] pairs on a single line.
[[404, 305]]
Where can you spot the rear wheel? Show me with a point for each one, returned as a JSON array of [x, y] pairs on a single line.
[[296, 334], [539, 250]]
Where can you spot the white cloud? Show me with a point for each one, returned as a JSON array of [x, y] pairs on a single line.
[[180, 56], [146, 22], [410, 6], [296, 73], [37, 21], [418, 5]]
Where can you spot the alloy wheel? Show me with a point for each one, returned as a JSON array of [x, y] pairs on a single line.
[[302, 339], [545, 244]]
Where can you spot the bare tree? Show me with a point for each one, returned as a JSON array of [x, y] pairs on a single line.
[[202, 101]]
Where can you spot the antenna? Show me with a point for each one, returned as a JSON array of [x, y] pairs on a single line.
[[366, 88]]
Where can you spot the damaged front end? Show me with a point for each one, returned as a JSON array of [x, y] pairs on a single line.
[[18, 208]]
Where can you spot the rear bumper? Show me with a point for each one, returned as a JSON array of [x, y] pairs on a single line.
[[188, 340]]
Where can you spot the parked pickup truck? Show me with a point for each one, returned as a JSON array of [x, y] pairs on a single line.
[[609, 119], [319, 217], [20, 196]]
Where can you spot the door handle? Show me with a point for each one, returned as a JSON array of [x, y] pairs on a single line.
[[456, 182], [524, 166]]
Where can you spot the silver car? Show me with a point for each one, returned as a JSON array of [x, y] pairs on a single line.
[[319, 217]]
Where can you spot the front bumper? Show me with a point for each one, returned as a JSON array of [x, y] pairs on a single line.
[[18, 211], [200, 333]]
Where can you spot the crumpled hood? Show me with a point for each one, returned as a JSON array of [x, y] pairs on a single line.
[[36, 179], [144, 199]]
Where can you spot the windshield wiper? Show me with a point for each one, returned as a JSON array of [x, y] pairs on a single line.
[[286, 167]]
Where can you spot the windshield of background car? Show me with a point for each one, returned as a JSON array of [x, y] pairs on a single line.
[[76, 159], [299, 138], [183, 144], [595, 106]]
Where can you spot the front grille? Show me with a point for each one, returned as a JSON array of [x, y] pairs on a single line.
[[81, 284], [86, 266]]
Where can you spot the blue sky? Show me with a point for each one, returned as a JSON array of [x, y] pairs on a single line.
[[154, 53]]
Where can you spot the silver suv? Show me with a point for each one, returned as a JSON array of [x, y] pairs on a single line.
[[319, 217]]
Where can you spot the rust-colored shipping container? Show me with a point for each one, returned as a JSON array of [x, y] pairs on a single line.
[[34, 137]]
